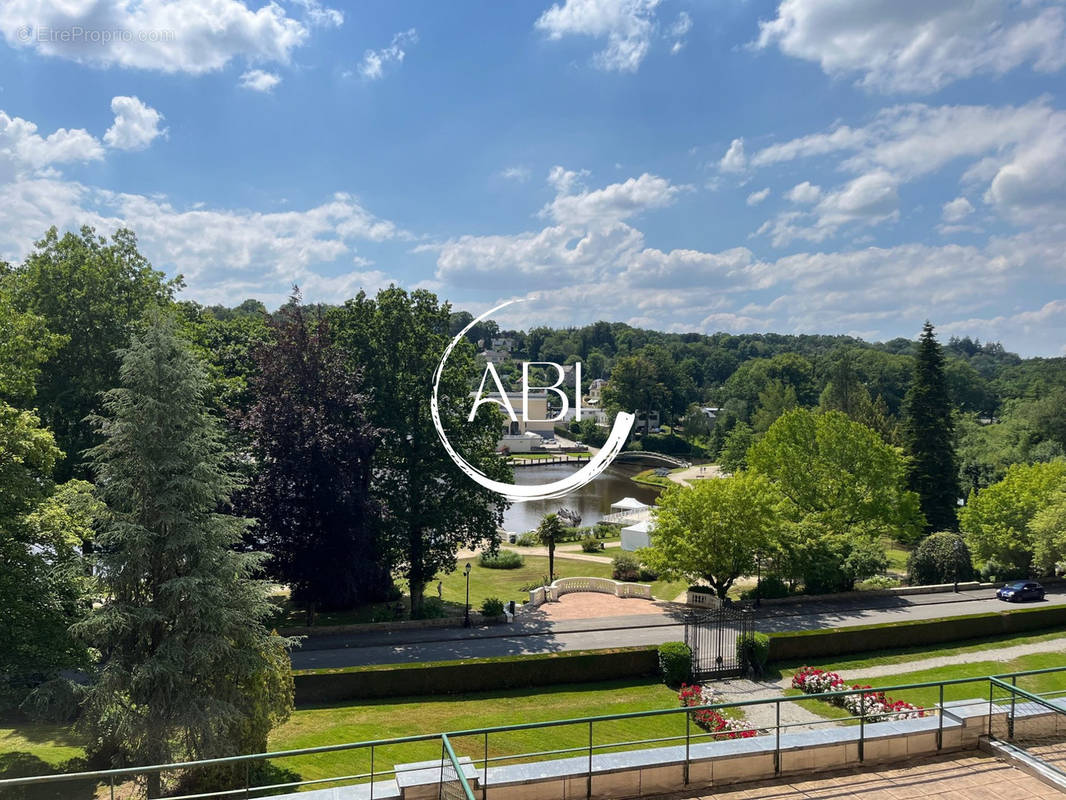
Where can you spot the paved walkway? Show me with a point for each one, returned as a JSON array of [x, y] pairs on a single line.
[[698, 472], [594, 605], [975, 776]]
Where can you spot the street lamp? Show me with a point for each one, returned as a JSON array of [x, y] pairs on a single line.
[[958, 556], [466, 618]]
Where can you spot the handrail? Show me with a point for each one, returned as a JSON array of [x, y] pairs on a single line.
[[460, 776], [996, 679]]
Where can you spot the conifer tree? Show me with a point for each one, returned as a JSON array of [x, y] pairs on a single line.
[[188, 669], [929, 436]]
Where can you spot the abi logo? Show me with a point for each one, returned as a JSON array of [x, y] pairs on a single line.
[[623, 423]]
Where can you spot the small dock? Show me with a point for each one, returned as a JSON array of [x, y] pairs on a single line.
[[562, 458]]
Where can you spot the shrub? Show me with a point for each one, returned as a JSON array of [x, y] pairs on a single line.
[[701, 590], [875, 705], [504, 559], [529, 587], [675, 663], [626, 567], [754, 651], [647, 575], [590, 544], [528, 539], [941, 558], [995, 571], [768, 587], [878, 582], [605, 530], [492, 607]]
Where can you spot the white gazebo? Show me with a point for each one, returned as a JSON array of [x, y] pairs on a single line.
[[628, 504], [628, 510], [636, 536]]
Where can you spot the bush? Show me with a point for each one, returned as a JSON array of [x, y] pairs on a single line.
[[605, 530], [529, 587], [769, 587], [528, 539], [647, 575], [754, 651], [590, 544], [504, 559], [941, 558], [995, 571], [492, 607], [675, 663], [702, 590], [626, 567]]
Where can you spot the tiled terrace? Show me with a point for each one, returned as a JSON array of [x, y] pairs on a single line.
[[974, 776]]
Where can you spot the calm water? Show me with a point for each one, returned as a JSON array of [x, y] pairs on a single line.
[[593, 500]]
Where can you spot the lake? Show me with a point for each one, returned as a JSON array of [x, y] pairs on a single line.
[[592, 501]]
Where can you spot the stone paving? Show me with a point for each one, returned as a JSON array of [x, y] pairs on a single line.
[[592, 605], [970, 777]]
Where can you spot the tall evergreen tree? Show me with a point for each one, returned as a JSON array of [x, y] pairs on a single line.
[[188, 668], [929, 436], [313, 446]]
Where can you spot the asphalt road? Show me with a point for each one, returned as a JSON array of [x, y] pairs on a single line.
[[450, 644]]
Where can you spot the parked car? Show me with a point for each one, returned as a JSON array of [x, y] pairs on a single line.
[[1021, 590]]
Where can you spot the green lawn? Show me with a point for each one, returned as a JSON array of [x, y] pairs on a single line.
[[408, 716]]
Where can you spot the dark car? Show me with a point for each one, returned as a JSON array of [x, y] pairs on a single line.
[[1021, 590]]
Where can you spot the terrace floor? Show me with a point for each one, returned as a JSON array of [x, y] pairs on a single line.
[[969, 777]]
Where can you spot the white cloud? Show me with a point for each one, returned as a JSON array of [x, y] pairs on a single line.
[[517, 173], [1015, 154], [258, 80], [919, 47], [757, 197], [136, 125], [374, 62], [956, 210], [734, 159], [678, 31], [865, 201], [319, 15], [804, 193], [627, 25], [610, 204], [190, 36], [22, 148]]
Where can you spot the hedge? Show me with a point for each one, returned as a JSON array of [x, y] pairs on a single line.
[[803, 645], [474, 675]]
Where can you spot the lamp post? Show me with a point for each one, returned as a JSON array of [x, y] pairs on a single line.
[[758, 580], [466, 617], [958, 555]]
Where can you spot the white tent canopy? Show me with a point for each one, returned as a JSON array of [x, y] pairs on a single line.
[[628, 504], [638, 535]]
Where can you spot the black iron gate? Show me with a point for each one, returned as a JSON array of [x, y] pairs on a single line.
[[717, 640]]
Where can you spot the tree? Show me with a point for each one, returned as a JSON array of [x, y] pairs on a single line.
[[941, 557], [830, 466], [549, 533], [313, 444], [714, 529], [1048, 532], [996, 520], [824, 556], [181, 633], [25, 344], [430, 508], [635, 386], [734, 454], [91, 293], [929, 436], [774, 400]]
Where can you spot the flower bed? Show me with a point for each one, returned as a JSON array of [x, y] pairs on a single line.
[[709, 719], [874, 705]]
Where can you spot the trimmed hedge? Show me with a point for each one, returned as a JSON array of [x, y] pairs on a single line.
[[802, 645], [474, 675]]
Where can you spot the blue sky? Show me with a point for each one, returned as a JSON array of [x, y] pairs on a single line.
[[789, 166]]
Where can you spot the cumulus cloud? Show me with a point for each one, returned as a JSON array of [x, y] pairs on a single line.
[[1016, 155], [956, 210], [375, 62], [189, 36], [258, 80], [734, 159], [804, 193], [22, 148], [757, 197], [136, 125], [919, 47], [576, 205], [627, 26]]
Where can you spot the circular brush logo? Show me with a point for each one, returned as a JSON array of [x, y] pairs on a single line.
[[617, 439]]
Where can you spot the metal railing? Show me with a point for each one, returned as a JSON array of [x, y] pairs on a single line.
[[1033, 722], [581, 743]]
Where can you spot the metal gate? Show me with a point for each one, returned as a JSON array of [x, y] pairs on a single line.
[[717, 641]]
